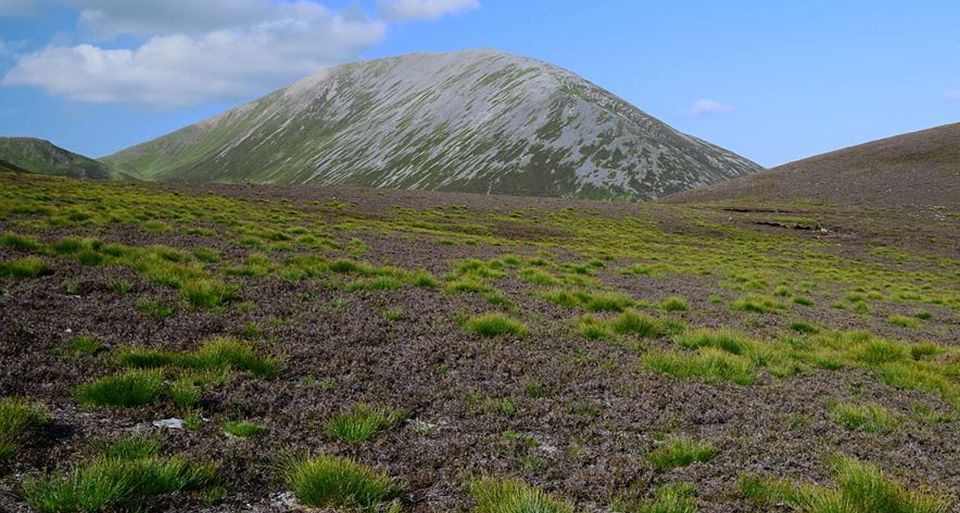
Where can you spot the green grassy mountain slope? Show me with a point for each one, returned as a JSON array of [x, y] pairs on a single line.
[[474, 121], [916, 169], [39, 156]]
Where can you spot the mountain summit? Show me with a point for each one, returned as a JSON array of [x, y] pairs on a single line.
[[473, 121]]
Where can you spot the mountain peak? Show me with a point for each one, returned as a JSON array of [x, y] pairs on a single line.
[[474, 121]]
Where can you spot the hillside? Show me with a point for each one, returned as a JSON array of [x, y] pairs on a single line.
[[39, 156], [474, 121], [916, 169]]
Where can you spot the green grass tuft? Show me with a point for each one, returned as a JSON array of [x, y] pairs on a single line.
[[513, 496], [633, 323], [870, 417], [680, 452], [361, 422], [708, 364], [126, 476], [17, 419], [207, 292], [495, 324], [860, 487], [244, 428], [672, 498], [333, 482], [904, 321], [758, 304], [132, 388], [27, 267], [154, 308], [674, 304]]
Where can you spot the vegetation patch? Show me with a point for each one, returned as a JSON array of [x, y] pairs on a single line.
[[680, 452], [671, 498], [758, 304], [127, 475], [869, 417], [513, 496], [244, 428], [859, 487], [494, 325], [674, 304], [708, 364], [17, 419], [333, 482], [132, 388], [362, 421], [27, 267], [216, 353]]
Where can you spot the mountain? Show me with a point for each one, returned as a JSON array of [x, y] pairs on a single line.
[[6, 167], [916, 169], [474, 121], [39, 156]]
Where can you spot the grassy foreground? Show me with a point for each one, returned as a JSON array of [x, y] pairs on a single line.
[[404, 351]]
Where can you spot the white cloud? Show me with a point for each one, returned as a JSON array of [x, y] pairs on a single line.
[[705, 107], [408, 10], [109, 18], [293, 40]]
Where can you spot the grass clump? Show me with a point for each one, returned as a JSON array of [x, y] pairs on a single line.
[[495, 324], [680, 452], [513, 496], [904, 321], [17, 419], [870, 417], [230, 353], [27, 267], [132, 388], [362, 421], [244, 428], [127, 475], [923, 315], [607, 302], [216, 353], [207, 292], [634, 323], [803, 327], [83, 345], [333, 482], [468, 285], [593, 329], [21, 242], [672, 498], [674, 304], [707, 363], [860, 487], [154, 308], [758, 304]]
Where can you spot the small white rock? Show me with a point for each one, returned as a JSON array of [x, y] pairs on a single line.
[[172, 423]]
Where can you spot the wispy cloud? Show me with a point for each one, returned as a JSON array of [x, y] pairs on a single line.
[[409, 10], [188, 52], [290, 41], [705, 107]]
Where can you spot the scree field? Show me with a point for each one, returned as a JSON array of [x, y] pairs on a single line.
[[351, 349]]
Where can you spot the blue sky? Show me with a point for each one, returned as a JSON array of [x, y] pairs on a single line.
[[773, 81]]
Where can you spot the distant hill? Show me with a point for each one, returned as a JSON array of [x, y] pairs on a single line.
[[474, 121], [39, 156], [916, 169], [6, 167]]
